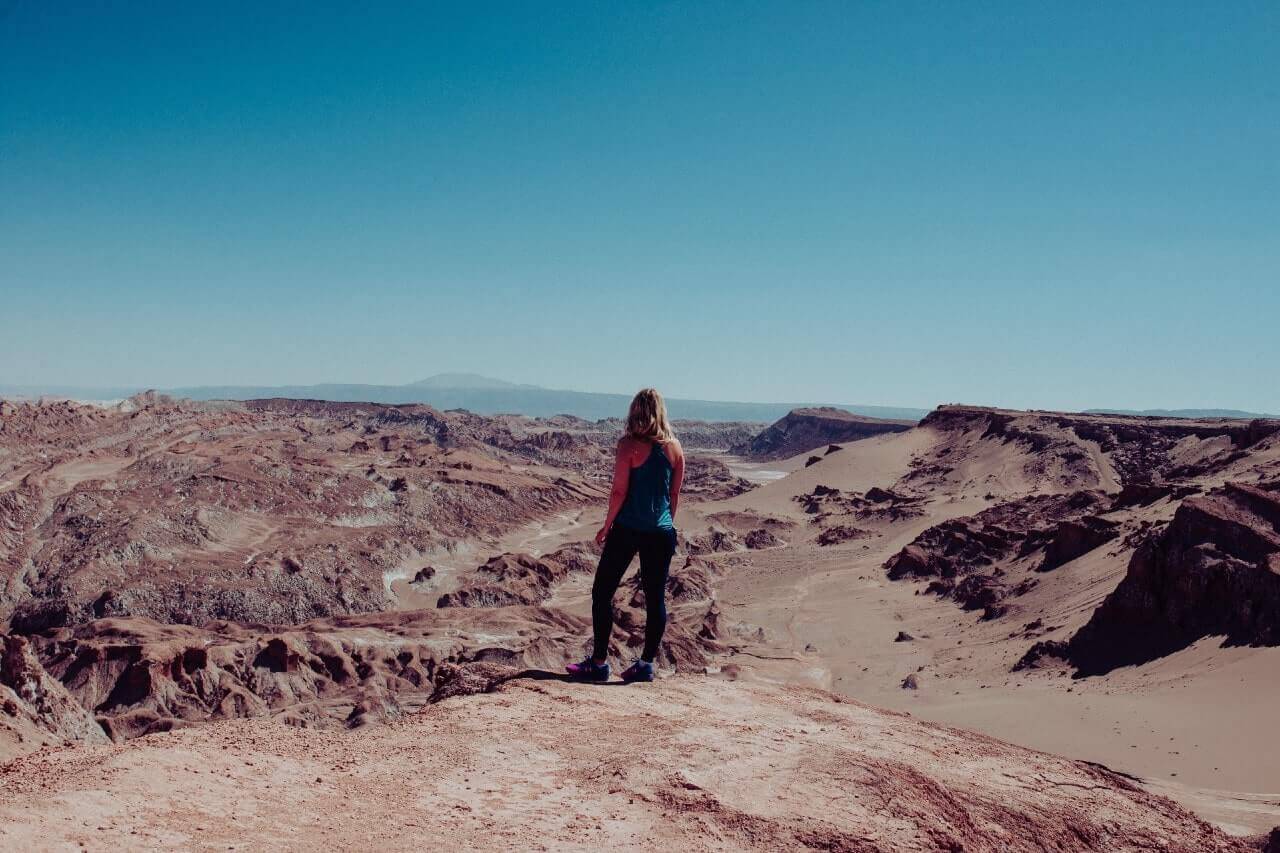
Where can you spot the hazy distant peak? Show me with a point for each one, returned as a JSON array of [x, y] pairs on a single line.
[[470, 381], [1180, 413]]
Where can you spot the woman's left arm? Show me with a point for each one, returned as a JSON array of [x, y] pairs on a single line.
[[677, 480]]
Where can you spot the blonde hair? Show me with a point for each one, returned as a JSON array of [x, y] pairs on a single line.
[[647, 417]]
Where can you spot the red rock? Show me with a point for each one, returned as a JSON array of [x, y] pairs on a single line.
[[1215, 570], [802, 430]]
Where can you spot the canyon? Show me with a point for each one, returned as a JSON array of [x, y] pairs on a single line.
[[298, 581]]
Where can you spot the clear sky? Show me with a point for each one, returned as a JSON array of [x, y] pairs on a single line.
[[1033, 204]]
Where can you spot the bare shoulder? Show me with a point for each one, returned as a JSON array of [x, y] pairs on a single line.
[[675, 451], [627, 446]]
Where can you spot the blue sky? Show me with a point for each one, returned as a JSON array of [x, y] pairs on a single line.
[[1055, 205]]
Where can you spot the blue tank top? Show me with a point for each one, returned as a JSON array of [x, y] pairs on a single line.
[[648, 503]]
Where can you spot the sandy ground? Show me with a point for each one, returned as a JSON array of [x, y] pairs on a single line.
[[690, 763], [1200, 721], [756, 472], [1198, 725]]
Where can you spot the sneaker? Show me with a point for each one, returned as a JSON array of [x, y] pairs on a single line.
[[589, 670], [640, 670]]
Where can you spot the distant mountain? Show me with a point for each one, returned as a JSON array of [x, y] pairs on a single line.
[[1179, 413], [480, 394], [468, 381], [67, 392], [486, 395]]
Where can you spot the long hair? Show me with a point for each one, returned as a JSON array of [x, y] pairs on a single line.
[[647, 417]]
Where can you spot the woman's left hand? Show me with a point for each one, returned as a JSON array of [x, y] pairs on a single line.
[[601, 535]]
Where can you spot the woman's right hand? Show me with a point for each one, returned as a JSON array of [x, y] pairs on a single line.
[[601, 535]]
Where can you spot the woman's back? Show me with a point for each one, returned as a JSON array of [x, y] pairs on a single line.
[[648, 503], [648, 471]]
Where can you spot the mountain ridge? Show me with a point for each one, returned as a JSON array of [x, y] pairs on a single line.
[[487, 395], [1180, 413], [479, 394]]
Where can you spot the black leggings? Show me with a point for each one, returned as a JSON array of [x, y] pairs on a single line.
[[656, 548]]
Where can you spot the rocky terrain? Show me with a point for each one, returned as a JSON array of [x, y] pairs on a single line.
[[1111, 450], [205, 574], [273, 511], [802, 430], [1213, 571], [167, 562], [1207, 571], [130, 677], [983, 559], [526, 760], [35, 709]]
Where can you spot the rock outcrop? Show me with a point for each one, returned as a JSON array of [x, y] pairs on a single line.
[[717, 540], [137, 677], [1076, 537], [972, 559], [1214, 571], [825, 502], [1070, 447], [35, 708], [521, 578], [760, 538], [131, 677], [838, 533], [802, 430]]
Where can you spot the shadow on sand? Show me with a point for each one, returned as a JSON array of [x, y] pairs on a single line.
[[547, 675]]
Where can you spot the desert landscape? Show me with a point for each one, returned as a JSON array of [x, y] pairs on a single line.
[[342, 347], [991, 629]]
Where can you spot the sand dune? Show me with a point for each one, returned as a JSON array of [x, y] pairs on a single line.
[[1196, 722]]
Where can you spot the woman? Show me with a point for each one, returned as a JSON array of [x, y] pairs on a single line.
[[647, 474]]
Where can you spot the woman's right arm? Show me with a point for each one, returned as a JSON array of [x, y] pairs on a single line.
[[618, 494]]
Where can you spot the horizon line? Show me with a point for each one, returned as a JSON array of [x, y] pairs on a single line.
[[61, 391]]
